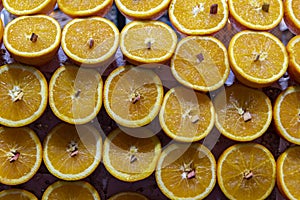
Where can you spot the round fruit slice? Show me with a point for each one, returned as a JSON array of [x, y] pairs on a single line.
[[86, 8], [75, 94], [246, 171], [20, 155], [186, 171], [33, 40], [256, 15], [91, 42], [293, 49], [286, 114], [242, 114], [128, 196], [198, 18], [77, 190], [292, 15], [130, 157], [144, 42], [288, 165], [17, 194], [186, 115], [201, 63], [27, 7], [24, 95], [258, 59], [132, 96], [72, 152]]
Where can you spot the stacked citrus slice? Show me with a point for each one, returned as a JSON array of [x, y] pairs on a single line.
[[293, 49], [17, 194], [27, 7], [292, 15]]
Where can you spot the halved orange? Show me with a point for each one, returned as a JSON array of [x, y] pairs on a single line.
[[72, 152], [33, 40], [75, 94], [129, 155], [17, 194], [288, 165], [286, 114], [90, 42], [144, 42], [27, 7], [201, 63], [24, 95], [128, 196], [192, 17], [258, 59], [20, 155], [79, 190], [242, 113], [246, 171], [293, 49], [186, 171], [132, 95], [292, 15], [87, 8]]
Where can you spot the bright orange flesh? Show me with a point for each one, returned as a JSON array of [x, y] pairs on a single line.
[[17, 194], [128, 196]]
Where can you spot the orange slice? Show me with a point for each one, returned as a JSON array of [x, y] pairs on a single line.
[[293, 49], [256, 15], [132, 96], [87, 8], [75, 94], [27, 7], [130, 156], [186, 171], [186, 115], [20, 155], [17, 194], [288, 165], [292, 15], [33, 40], [1, 29], [72, 152], [91, 42], [201, 63], [258, 59], [242, 114], [246, 171], [192, 17], [286, 114], [79, 190], [24, 95], [144, 42], [128, 196]]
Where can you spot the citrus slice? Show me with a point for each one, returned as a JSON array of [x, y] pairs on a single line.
[[128, 196], [201, 63], [20, 155], [75, 94], [186, 115], [130, 157], [87, 8], [256, 15], [72, 152], [132, 96], [33, 40], [288, 165], [246, 171], [242, 113], [148, 42], [24, 95], [286, 114], [91, 42], [198, 18], [293, 49], [186, 171], [1, 29], [292, 15], [76, 190], [17, 194], [138, 10], [258, 59], [27, 7]]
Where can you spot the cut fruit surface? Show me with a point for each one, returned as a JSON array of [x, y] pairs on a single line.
[[128, 196], [293, 49], [27, 7], [17, 194], [292, 15]]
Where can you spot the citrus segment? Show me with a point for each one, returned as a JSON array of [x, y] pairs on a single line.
[[20, 155], [16, 194], [128, 196], [27, 7], [200, 63], [186, 171], [293, 49], [292, 15]]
